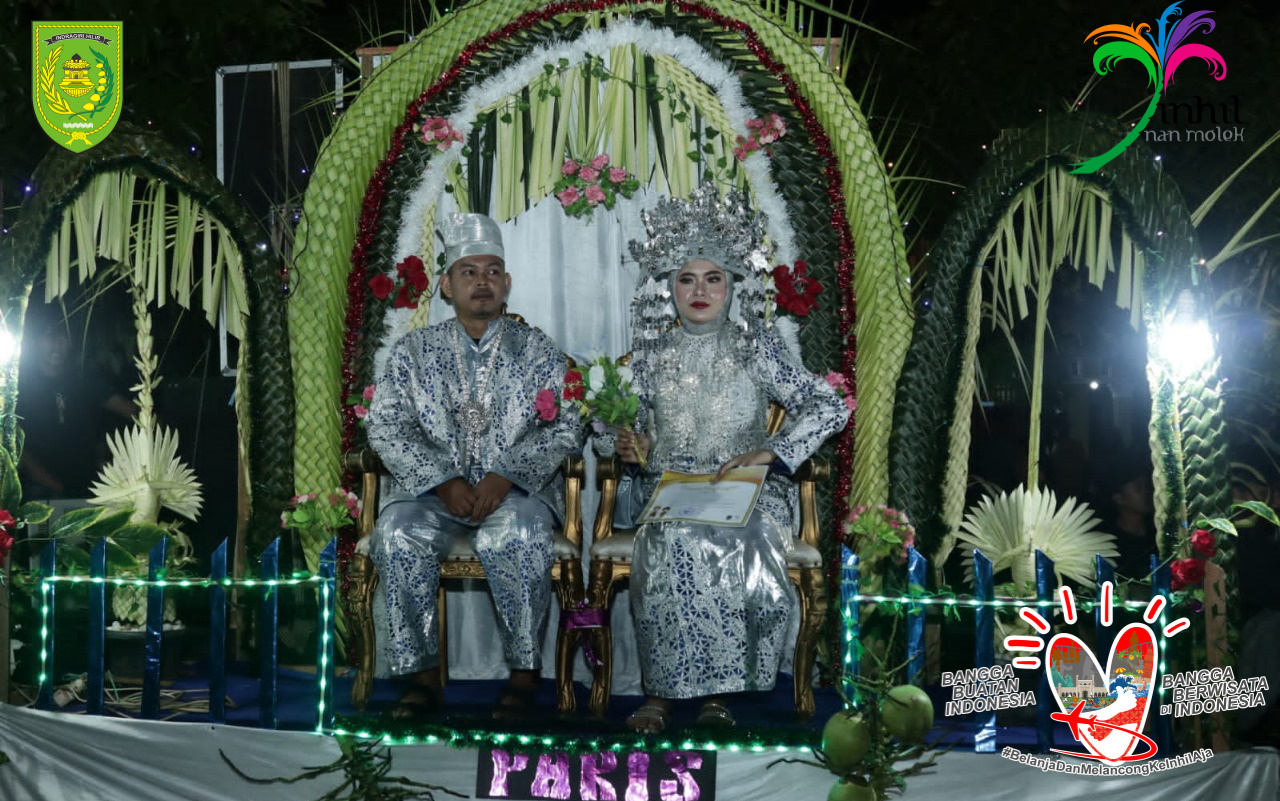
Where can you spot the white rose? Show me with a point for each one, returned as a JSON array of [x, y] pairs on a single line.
[[624, 373], [591, 394], [595, 377]]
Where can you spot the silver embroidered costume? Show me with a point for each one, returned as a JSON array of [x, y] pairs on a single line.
[[430, 422], [712, 604]]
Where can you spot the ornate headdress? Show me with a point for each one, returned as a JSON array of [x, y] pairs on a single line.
[[470, 235], [724, 230]]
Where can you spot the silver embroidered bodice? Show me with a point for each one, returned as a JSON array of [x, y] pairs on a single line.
[[433, 419], [705, 399]]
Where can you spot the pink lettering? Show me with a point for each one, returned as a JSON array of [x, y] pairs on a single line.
[[683, 787], [504, 764], [594, 786], [552, 777], [638, 777]]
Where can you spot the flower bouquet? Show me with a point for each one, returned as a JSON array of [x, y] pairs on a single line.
[[321, 511], [880, 531], [582, 187], [602, 395]]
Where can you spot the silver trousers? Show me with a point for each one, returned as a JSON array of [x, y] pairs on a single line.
[[413, 536]]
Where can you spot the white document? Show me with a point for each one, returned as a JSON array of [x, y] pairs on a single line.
[[695, 498]]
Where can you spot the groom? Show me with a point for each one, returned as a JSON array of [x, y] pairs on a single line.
[[453, 420]]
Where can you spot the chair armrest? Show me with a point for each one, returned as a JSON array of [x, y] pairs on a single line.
[[365, 462], [807, 476], [362, 460], [575, 471], [608, 472]]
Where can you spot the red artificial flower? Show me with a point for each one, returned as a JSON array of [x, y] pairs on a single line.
[[1204, 543], [1187, 573], [574, 388], [410, 265], [381, 285], [545, 405], [795, 292], [6, 519], [6, 542], [403, 300]]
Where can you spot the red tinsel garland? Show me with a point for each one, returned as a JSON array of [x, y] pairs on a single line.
[[377, 189]]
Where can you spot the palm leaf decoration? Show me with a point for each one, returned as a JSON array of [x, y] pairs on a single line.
[[1010, 527], [145, 472]]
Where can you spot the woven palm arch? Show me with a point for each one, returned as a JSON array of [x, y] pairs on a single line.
[[264, 387], [930, 448], [359, 178]]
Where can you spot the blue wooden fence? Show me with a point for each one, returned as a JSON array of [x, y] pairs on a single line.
[[267, 584], [984, 604]]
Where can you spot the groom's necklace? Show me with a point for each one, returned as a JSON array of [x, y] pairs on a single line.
[[473, 415]]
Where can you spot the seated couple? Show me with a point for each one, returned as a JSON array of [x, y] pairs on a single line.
[[452, 421]]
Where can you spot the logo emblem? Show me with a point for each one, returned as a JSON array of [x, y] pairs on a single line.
[[77, 77], [1160, 55]]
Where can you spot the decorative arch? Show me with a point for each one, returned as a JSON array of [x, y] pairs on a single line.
[[264, 384], [930, 445], [371, 163]]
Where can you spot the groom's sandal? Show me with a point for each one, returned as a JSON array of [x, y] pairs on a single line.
[[417, 703], [515, 704]]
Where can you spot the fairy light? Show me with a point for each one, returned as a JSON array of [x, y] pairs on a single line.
[[203, 583], [999, 603]]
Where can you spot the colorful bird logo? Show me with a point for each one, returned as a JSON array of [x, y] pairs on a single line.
[[1160, 55]]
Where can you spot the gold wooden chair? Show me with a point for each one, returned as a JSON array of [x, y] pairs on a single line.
[[461, 563], [611, 562]]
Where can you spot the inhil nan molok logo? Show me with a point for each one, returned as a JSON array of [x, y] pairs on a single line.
[[1161, 55], [77, 80]]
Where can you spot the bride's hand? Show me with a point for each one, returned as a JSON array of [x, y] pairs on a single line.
[[751, 459], [632, 448]]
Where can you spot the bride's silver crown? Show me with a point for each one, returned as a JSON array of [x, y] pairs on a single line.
[[725, 230]]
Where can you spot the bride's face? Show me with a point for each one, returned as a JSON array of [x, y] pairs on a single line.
[[701, 288]]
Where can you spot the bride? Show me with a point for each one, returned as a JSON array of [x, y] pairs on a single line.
[[712, 604]]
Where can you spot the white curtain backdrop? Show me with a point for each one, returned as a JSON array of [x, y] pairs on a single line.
[[572, 278]]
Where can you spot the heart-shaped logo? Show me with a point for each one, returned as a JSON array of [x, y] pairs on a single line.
[[1106, 711]]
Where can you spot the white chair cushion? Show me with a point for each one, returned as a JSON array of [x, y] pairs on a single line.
[[461, 551], [803, 555]]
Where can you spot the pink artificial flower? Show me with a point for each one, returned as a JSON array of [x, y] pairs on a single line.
[[569, 196], [617, 175], [361, 411], [569, 167], [588, 174], [368, 392], [594, 194], [599, 163], [545, 405]]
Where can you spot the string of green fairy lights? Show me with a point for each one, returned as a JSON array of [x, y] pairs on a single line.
[[781, 740]]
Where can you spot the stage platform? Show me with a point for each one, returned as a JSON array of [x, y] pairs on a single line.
[[67, 755]]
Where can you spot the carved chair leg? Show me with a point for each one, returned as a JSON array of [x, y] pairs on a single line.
[[813, 609], [600, 596], [570, 592], [364, 580]]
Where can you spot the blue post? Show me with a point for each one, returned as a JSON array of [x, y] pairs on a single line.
[[1046, 701], [48, 569], [917, 578], [1103, 636], [324, 660], [984, 736], [849, 610], [154, 642], [218, 635], [268, 622], [97, 626], [1163, 734]]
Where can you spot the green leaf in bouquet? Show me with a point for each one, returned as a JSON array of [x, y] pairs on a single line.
[[34, 512], [73, 560], [1261, 510], [107, 523], [121, 560], [1219, 524]]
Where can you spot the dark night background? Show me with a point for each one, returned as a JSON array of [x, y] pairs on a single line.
[[968, 71]]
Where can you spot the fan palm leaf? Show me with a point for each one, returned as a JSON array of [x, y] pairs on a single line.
[[1010, 527], [146, 473]]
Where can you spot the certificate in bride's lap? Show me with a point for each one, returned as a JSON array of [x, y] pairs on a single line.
[[694, 498]]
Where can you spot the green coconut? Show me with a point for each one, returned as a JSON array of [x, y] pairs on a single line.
[[907, 713], [845, 741], [851, 791]]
